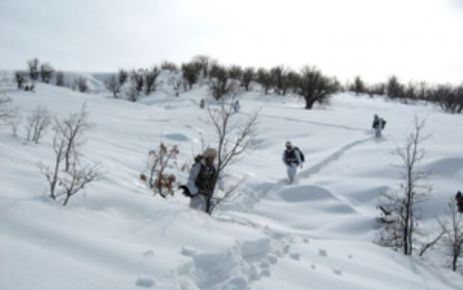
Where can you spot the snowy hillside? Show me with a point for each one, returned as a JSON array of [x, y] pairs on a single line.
[[314, 234]]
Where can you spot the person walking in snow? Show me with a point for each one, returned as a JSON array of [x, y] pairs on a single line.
[[201, 180], [293, 158], [236, 106], [459, 198], [378, 125], [202, 103]]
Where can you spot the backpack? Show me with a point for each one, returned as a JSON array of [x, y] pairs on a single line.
[[300, 153], [383, 123]]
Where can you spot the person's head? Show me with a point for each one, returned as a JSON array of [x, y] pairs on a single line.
[[289, 145], [209, 155], [376, 116]]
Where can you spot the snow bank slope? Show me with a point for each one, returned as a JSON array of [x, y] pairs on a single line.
[[315, 234]]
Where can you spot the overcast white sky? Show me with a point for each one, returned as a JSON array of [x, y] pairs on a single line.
[[415, 39]]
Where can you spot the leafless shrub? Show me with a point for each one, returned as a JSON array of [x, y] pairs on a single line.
[[60, 80], [37, 124], [264, 79], [20, 78], [78, 178], [72, 130], [221, 85], [51, 174], [279, 79], [235, 72], [314, 87], [6, 109], [394, 89], [191, 74], [453, 233], [138, 80], [33, 67], [46, 72], [234, 137], [175, 83], [132, 93], [158, 162], [113, 85], [123, 76], [81, 85], [169, 66], [68, 175], [247, 78], [399, 217], [14, 121], [449, 98], [202, 64], [358, 87], [150, 79]]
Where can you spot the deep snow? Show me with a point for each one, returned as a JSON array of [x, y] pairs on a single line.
[[314, 234]]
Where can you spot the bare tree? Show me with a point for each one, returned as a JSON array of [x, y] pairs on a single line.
[[20, 78], [68, 175], [190, 73], [400, 210], [377, 89], [37, 124], [221, 85], [46, 72], [14, 121], [264, 78], [169, 66], [81, 85], [113, 85], [315, 87], [158, 162], [138, 80], [122, 76], [60, 80], [78, 178], [202, 64], [358, 87], [132, 93], [33, 66], [150, 79], [394, 89], [234, 137], [453, 229], [247, 78], [72, 130], [449, 98], [52, 174], [235, 72], [279, 80], [175, 83], [6, 109]]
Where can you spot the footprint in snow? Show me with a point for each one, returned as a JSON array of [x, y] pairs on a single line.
[[188, 252], [148, 253], [295, 256], [337, 272], [145, 282], [322, 253], [286, 249]]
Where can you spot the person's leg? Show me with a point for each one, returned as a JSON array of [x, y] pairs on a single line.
[[291, 173], [198, 202]]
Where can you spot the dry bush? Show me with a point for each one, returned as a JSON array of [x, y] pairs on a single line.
[[158, 161], [37, 124]]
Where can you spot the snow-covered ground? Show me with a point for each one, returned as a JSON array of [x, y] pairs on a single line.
[[314, 234]]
